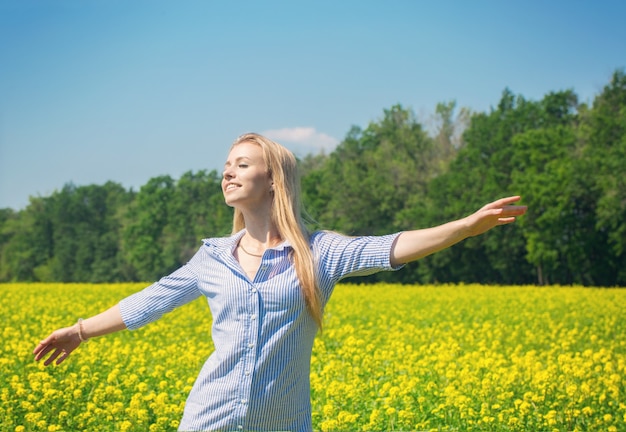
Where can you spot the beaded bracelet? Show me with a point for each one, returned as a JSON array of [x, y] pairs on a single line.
[[80, 331]]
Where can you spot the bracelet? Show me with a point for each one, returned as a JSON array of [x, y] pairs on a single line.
[[80, 331]]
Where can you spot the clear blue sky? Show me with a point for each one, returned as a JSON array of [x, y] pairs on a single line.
[[121, 90]]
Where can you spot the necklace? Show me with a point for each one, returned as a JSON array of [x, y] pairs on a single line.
[[248, 253]]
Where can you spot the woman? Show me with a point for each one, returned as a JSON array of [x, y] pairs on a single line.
[[266, 286]]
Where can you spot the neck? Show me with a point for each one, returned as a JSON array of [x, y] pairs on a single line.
[[261, 233], [260, 239]]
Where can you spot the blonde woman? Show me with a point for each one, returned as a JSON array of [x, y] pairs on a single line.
[[266, 286]]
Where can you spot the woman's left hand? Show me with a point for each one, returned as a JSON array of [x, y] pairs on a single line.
[[499, 212]]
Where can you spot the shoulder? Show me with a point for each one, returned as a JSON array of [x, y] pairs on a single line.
[[325, 237], [329, 242]]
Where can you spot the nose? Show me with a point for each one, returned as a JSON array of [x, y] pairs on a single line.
[[227, 174]]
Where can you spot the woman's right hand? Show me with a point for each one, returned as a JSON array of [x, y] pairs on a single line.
[[59, 345]]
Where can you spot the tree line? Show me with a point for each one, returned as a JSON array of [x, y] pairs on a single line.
[[566, 158]]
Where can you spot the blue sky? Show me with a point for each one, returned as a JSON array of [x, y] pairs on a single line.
[[92, 91]]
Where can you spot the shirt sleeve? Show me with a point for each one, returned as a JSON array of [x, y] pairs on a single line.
[[341, 256], [170, 292]]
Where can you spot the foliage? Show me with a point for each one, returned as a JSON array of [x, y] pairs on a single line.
[[605, 162], [564, 158], [373, 173], [107, 234]]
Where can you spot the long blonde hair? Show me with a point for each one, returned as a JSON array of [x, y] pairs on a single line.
[[287, 215]]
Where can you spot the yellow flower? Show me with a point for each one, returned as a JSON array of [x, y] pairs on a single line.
[[329, 425], [408, 360]]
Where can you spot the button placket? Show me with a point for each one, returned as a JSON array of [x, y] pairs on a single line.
[[250, 356], [253, 321]]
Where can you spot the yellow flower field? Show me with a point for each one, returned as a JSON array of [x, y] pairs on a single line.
[[391, 357]]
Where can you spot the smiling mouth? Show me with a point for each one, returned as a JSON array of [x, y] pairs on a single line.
[[231, 187]]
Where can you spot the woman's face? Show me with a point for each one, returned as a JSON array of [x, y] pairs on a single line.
[[246, 182]]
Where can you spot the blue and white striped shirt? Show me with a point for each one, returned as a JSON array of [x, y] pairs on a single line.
[[257, 378]]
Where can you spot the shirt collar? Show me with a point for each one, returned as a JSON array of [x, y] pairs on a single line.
[[227, 245]]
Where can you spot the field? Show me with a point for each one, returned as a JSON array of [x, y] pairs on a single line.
[[449, 358]]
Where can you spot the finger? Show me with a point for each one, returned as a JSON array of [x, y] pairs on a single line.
[[40, 346], [514, 210], [44, 343], [43, 351], [53, 357], [62, 357], [504, 201], [504, 221]]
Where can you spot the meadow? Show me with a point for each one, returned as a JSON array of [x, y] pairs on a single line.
[[391, 357]]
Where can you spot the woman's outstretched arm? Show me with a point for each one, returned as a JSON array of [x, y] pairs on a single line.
[[413, 245], [62, 342]]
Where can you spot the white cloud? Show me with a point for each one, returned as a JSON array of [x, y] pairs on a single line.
[[302, 139]]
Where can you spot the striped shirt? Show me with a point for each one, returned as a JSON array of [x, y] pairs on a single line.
[[257, 378]]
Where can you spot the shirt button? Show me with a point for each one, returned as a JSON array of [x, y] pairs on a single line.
[[247, 372], [253, 290], [244, 401], [250, 345], [252, 317], [240, 427]]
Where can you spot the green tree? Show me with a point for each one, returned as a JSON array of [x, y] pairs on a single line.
[[195, 211], [85, 223], [370, 176], [27, 241], [146, 220], [314, 196], [448, 131], [110, 210], [481, 171], [168, 219], [366, 184], [604, 132], [557, 230]]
